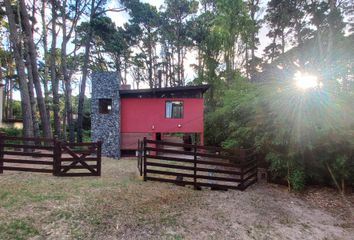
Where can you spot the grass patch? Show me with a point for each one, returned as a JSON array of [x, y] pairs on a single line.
[[60, 214], [20, 197], [18, 229], [4, 195], [169, 221], [174, 237]]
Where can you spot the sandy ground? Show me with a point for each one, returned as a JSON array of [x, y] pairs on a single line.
[[119, 205]]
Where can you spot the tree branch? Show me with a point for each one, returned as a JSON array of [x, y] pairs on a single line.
[[110, 10]]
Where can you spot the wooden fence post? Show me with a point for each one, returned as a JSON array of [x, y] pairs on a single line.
[[195, 167], [1, 152], [141, 157], [99, 157], [144, 152], [56, 157], [138, 154]]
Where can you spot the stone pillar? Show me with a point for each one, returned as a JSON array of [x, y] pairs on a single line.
[[105, 112]]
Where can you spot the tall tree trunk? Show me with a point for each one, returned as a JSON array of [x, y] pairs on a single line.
[[36, 131], [159, 76], [151, 81], [3, 93], [64, 127], [253, 58], [331, 33], [179, 49], [273, 47], [182, 67], [248, 70], [68, 106], [53, 75], [11, 98], [172, 69], [8, 92], [200, 59], [253, 6], [8, 86], [228, 63], [69, 112], [33, 57], [332, 8], [80, 110], [179, 79], [46, 62], [25, 99], [282, 41]]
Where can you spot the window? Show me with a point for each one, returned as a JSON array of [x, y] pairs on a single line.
[[174, 109], [105, 105]]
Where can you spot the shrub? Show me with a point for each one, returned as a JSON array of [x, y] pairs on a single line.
[[297, 180], [11, 132]]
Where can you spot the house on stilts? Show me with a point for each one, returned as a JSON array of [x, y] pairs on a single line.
[[121, 116]]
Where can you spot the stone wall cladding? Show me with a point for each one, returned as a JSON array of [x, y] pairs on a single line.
[[106, 127]]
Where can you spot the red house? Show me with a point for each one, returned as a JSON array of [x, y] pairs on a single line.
[[155, 113]]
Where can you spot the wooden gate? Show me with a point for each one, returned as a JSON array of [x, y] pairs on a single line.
[[77, 159], [48, 155], [202, 166]]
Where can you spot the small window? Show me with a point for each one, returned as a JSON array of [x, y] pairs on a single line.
[[105, 106], [174, 109]]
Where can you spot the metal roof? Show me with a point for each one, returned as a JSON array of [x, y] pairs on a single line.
[[159, 91]]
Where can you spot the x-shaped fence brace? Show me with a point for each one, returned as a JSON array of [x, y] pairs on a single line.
[[78, 159]]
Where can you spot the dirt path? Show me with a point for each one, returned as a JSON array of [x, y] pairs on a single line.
[[119, 205]]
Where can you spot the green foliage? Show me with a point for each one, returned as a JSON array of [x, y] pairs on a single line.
[[297, 180], [86, 111], [341, 167], [231, 21], [142, 13], [235, 111], [18, 229], [305, 135], [11, 132], [87, 136], [16, 107], [277, 166]]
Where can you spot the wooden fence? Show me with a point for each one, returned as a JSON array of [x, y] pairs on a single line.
[[47, 155], [202, 166]]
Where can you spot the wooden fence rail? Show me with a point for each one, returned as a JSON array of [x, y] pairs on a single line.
[[200, 167], [46, 155]]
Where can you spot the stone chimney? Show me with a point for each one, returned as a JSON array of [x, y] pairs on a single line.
[[105, 109]]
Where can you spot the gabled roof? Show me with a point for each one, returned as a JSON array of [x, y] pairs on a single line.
[[182, 91]]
